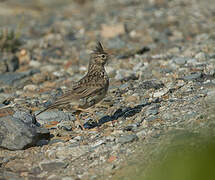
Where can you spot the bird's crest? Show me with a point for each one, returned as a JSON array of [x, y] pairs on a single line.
[[99, 49]]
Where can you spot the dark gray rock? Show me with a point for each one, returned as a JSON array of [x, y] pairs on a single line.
[[20, 131], [193, 76], [127, 138]]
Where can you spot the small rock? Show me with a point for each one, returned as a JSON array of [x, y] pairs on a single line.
[[180, 60], [141, 134], [124, 86], [38, 78], [127, 139], [52, 165], [160, 93], [193, 76], [130, 127], [151, 118], [201, 56], [48, 68], [69, 151], [152, 110], [55, 116], [152, 84], [98, 143], [65, 125], [30, 87], [78, 138], [131, 99], [210, 98], [35, 64], [67, 178], [53, 141], [42, 142], [192, 61], [3, 67]]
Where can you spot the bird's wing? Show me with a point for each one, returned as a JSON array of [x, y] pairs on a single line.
[[78, 92], [84, 90]]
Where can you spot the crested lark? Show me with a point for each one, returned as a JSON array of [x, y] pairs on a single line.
[[91, 89]]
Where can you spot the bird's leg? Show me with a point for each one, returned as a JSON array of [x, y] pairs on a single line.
[[77, 117]]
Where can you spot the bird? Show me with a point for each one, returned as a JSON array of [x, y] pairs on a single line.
[[90, 89]]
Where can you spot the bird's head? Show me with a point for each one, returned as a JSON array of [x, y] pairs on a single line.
[[99, 56]]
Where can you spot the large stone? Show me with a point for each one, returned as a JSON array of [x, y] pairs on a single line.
[[20, 131]]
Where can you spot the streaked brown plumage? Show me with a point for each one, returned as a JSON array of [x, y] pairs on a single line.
[[91, 89]]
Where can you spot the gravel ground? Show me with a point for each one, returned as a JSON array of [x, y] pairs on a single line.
[[162, 84]]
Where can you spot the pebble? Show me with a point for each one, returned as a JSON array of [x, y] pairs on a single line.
[[159, 94], [151, 111], [131, 127], [65, 125], [141, 134], [192, 61], [34, 64], [55, 116], [152, 84], [201, 56], [127, 138], [131, 99], [69, 151], [210, 98], [180, 60], [52, 165], [30, 87], [193, 76], [98, 143]]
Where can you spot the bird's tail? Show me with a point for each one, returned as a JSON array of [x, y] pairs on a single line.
[[53, 106]]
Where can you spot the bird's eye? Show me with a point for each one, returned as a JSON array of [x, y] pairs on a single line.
[[103, 56]]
